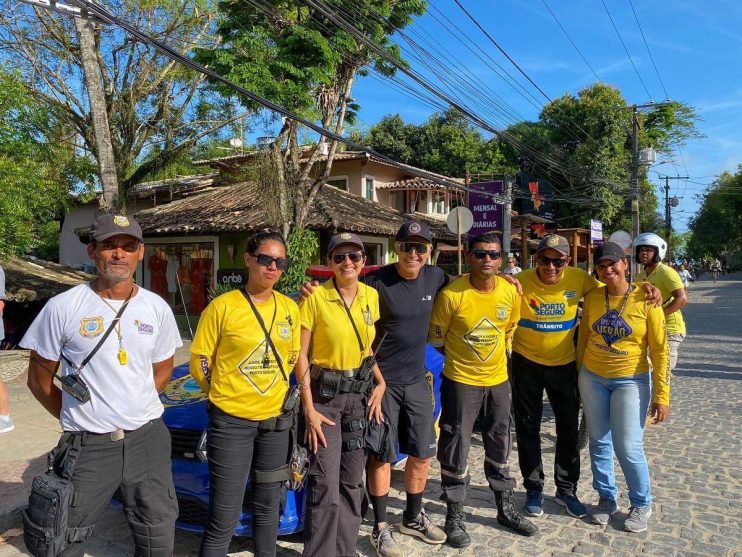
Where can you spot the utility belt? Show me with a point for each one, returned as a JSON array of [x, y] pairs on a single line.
[[333, 382], [92, 438], [282, 422]]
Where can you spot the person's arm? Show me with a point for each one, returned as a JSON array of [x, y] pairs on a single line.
[[654, 296], [659, 355], [199, 367], [679, 299], [162, 371], [374, 401], [203, 347], [512, 323], [439, 322], [41, 383], [583, 334], [512, 280], [306, 290], [313, 431]]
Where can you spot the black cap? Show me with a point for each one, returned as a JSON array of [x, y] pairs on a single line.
[[344, 238], [610, 251], [414, 229], [555, 242], [108, 225]]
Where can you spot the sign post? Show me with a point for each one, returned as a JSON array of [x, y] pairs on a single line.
[[459, 222]]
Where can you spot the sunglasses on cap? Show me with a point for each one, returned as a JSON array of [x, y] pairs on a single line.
[[482, 253], [354, 256], [557, 262], [282, 263], [407, 247]]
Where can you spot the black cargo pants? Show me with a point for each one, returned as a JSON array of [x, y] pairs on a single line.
[[138, 465], [460, 406], [335, 487]]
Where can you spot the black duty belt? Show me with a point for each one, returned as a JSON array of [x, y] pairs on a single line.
[[338, 382]]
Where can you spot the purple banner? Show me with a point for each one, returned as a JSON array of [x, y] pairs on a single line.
[[487, 213]]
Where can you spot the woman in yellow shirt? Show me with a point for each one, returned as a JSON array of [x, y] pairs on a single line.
[[338, 396], [619, 327], [245, 348]]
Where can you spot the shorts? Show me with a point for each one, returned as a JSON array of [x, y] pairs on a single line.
[[674, 340], [409, 410]]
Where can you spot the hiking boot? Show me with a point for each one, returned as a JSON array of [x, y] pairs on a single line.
[[384, 542], [509, 517], [6, 423], [638, 519], [455, 527], [534, 503], [572, 504], [423, 528], [606, 508]]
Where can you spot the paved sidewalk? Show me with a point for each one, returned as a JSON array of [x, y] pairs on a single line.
[[694, 462]]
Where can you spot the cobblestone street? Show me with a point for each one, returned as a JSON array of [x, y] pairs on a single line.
[[694, 461]]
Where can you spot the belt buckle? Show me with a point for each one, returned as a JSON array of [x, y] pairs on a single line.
[[117, 435]]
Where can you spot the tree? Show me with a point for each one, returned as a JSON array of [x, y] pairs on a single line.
[[296, 57], [717, 227], [38, 168], [152, 103]]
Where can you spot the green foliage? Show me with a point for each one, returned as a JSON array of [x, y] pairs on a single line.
[[219, 289], [717, 227], [302, 247]]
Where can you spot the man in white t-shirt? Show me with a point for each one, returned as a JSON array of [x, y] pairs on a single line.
[[512, 268], [121, 441]]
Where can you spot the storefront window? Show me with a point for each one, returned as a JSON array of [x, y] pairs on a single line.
[[181, 273]]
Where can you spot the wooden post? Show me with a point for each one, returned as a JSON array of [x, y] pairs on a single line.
[[575, 239], [523, 244], [458, 236]]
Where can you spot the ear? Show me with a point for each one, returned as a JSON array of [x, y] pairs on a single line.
[[141, 251], [91, 251]]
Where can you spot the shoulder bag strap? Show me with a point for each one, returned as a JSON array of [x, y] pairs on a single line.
[[352, 322], [268, 338]]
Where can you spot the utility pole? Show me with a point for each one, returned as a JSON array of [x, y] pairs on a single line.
[[670, 202], [634, 184], [506, 220]]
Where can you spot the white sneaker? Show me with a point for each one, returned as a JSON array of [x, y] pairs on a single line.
[[6, 424]]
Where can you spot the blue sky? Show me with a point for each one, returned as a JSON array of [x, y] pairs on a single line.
[[696, 47]]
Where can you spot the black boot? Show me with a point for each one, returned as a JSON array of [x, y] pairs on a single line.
[[455, 527], [509, 517]]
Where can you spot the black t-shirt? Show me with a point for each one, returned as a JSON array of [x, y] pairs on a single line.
[[405, 307]]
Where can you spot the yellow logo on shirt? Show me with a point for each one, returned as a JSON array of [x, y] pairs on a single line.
[[91, 327], [483, 338]]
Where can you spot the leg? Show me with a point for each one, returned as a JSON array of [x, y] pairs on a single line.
[[528, 391], [596, 402], [271, 453], [629, 403], [148, 492]]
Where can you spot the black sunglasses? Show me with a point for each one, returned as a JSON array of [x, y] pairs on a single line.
[[558, 262], [354, 256], [482, 253], [407, 247], [282, 263]]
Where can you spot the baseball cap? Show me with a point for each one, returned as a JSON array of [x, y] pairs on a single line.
[[109, 225], [610, 251], [555, 242], [344, 238], [414, 229]]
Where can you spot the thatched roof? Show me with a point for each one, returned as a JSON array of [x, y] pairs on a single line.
[[28, 280], [236, 208]]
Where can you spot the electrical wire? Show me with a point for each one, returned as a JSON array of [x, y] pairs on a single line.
[[647, 47]]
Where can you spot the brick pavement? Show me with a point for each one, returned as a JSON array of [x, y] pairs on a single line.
[[694, 462]]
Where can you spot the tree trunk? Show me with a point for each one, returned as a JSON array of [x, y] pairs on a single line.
[[99, 115]]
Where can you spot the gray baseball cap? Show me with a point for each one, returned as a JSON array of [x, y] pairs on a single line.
[[344, 238], [108, 225], [555, 242]]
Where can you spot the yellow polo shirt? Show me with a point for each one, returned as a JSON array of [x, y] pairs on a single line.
[[476, 330], [667, 280], [334, 342], [614, 346], [245, 378], [548, 314]]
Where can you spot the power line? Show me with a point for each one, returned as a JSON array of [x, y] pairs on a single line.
[[667, 96]]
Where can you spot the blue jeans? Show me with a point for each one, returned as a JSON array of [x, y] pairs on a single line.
[[616, 410]]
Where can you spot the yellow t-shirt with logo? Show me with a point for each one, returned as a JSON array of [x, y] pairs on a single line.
[[667, 280], [334, 342], [245, 379], [614, 346], [476, 329], [548, 314]]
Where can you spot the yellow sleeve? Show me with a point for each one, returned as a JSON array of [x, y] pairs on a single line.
[[307, 312], [200, 368], [583, 333], [589, 284], [375, 312], [659, 354], [440, 319], [513, 321]]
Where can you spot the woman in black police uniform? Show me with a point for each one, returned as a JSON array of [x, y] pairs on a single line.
[[245, 373], [337, 323]]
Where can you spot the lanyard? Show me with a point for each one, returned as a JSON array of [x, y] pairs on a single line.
[[618, 315], [352, 322], [266, 332]]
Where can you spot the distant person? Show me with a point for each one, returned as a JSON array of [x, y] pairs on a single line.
[[6, 422], [113, 343], [512, 268], [685, 276]]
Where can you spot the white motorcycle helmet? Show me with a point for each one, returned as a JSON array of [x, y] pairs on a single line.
[[652, 240]]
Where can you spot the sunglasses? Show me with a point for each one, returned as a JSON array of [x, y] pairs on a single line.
[[407, 247], [128, 247], [557, 262], [354, 256], [482, 253], [282, 263]]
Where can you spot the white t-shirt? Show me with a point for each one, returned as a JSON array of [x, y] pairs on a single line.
[[512, 271], [685, 276], [121, 396]]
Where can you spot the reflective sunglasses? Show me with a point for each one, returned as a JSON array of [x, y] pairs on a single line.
[[407, 247], [354, 256], [558, 262], [282, 263], [482, 253]]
